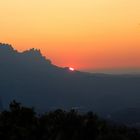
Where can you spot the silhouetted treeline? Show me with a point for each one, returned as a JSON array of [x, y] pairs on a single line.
[[22, 123]]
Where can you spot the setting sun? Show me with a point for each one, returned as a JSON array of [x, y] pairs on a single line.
[[70, 61], [101, 35], [71, 69]]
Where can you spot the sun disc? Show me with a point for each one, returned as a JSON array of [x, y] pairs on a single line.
[[71, 69]]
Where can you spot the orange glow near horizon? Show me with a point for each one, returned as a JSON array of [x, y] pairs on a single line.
[[98, 34]]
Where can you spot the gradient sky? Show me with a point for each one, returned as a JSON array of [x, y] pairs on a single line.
[[92, 35]]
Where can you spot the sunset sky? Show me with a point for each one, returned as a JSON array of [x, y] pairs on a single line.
[[89, 35]]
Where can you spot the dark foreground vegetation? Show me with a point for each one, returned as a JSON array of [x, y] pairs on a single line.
[[22, 123]]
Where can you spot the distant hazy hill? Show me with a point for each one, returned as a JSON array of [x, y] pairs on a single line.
[[33, 80]]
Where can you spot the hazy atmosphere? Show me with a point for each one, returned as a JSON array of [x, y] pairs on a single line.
[[89, 35], [69, 69]]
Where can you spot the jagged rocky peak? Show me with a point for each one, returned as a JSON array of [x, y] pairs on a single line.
[[9, 49], [6, 48], [36, 55], [33, 55], [33, 51]]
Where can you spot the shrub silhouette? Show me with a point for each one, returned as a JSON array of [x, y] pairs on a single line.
[[22, 123]]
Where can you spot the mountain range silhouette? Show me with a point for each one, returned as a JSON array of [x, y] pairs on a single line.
[[33, 80]]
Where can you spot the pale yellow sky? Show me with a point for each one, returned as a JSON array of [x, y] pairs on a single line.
[[85, 34]]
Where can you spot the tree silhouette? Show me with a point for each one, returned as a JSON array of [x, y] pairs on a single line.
[[22, 123]]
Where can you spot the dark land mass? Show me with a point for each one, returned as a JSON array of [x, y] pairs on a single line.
[[22, 123], [30, 78]]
